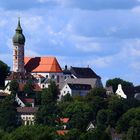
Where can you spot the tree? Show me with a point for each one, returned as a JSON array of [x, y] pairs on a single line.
[[114, 83], [133, 133], [96, 99], [37, 132], [98, 91], [129, 119], [73, 134], [117, 106], [105, 118], [66, 98], [28, 88], [96, 134], [80, 115], [4, 70], [48, 109], [8, 113], [14, 87]]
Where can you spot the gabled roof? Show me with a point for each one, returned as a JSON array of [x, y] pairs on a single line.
[[42, 64], [83, 72], [19, 75], [88, 81], [62, 132], [28, 100], [27, 109], [64, 120], [91, 126], [137, 89], [35, 87], [2, 94], [66, 71], [79, 86]]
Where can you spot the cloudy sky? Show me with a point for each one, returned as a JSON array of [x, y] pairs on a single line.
[[102, 34]]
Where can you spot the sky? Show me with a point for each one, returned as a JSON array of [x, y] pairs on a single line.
[[101, 34]]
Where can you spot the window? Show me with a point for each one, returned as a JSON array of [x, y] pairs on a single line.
[[53, 76], [57, 78]]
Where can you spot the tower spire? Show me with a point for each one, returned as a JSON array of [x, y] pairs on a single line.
[[19, 22], [18, 49], [19, 29], [19, 37]]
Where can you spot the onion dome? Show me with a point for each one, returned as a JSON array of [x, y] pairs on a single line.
[[19, 38]]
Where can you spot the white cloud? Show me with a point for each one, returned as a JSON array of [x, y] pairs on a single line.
[[31, 53], [135, 66], [89, 47], [100, 62]]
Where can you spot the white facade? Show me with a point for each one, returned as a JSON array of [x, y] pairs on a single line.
[[90, 126], [73, 92], [65, 90], [26, 119], [120, 91], [44, 79]]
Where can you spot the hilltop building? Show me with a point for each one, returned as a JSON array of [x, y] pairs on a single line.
[[42, 70]]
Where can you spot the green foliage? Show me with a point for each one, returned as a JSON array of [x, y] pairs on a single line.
[[117, 105], [14, 87], [28, 88], [73, 134], [106, 112], [96, 134], [133, 133], [114, 83], [92, 135], [4, 70], [129, 119], [79, 114], [98, 91], [37, 132], [8, 113], [67, 98], [37, 98], [2, 134], [96, 103], [48, 109], [105, 118]]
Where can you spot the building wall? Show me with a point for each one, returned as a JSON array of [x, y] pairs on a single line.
[[65, 90], [57, 77], [18, 58], [79, 92], [26, 119]]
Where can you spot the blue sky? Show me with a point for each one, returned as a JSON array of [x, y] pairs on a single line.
[[102, 34]]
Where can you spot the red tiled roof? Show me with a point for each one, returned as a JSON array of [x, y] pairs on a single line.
[[62, 132], [36, 87], [64, 120], [27, 109], [42, 64], [2, 94], [38, 76], [28, 100]]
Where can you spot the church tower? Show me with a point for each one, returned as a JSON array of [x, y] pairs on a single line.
[[18, 49]]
